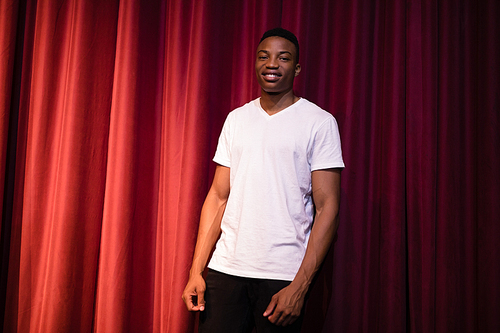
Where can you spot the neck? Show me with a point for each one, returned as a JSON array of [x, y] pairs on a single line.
[[275, 102]]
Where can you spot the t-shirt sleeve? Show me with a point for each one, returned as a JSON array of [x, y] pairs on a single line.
[[326, 150], [223, 151]]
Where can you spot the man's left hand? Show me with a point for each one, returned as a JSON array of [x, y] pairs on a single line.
[[285, 306]]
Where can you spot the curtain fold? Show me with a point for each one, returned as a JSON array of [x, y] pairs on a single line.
[[9, 11], [421, 160], [455, 227], [183, 140], [125, 281], [488, 180], [9, 100], [110, 115]]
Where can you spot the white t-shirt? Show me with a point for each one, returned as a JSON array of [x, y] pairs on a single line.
[[269, 213]]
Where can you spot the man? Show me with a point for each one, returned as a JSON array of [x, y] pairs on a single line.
[[275, 156]]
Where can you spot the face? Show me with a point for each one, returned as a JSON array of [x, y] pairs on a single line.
[[276, 65]]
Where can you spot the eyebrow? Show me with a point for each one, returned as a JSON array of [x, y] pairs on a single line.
[[281, 52]]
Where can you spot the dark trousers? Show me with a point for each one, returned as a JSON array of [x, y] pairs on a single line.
[[236, 304]]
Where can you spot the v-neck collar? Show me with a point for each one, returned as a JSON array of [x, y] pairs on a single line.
[[277, 113]]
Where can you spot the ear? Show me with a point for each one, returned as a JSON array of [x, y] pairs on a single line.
[[297, 69]]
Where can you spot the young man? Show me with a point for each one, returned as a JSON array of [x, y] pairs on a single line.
[[275, 156]]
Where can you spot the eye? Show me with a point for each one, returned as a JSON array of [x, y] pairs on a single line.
[[284, 58]]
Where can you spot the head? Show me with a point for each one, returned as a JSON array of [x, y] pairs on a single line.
[[283, 33], [276, 64]]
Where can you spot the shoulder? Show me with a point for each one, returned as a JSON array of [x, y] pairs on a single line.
[[313, 108], [247, 107], [242, 113], [313, 112]]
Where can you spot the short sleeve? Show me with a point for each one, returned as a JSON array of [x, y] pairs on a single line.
[[223, 151], [326, 149]]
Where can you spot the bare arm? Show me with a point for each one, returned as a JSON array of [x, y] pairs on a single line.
[[287, 304], [208, 233]]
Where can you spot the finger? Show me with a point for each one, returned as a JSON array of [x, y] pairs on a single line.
[[201, 300], [188, 300], [275, 318], [288, 320], [283, 317], [270, 307]]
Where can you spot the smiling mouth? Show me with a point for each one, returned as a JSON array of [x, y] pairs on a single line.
[[271, 75]]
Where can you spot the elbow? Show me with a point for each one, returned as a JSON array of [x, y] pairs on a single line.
[[328, 215]]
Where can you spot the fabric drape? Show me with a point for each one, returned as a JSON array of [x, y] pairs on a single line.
[[110, 113]]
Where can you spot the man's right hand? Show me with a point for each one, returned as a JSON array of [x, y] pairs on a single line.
[[194, 293]]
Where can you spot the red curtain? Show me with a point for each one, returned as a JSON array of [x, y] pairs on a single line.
[[110, 113]]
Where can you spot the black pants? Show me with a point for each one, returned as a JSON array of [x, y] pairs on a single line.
[[236, 304]]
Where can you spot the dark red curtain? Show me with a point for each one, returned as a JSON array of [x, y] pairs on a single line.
[[110, 113]]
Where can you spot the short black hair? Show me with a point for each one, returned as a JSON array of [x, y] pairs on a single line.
[[280, 32]]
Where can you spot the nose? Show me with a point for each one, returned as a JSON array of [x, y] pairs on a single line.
[[272, 62]]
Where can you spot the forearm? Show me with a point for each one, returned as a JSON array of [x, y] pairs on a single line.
[[326, 195], [208, 232], [322, 234]]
